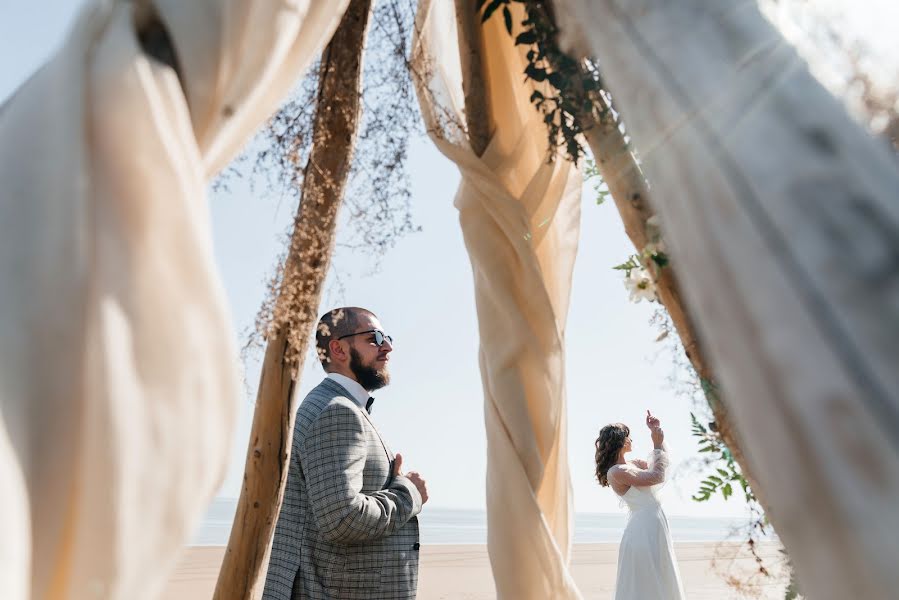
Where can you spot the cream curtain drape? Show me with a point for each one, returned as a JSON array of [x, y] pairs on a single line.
[[783, 223], [520, 219], [118, 384]]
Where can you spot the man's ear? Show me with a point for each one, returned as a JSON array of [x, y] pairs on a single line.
[[338, 353]]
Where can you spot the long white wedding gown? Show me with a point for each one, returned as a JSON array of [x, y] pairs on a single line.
[[647, 569]]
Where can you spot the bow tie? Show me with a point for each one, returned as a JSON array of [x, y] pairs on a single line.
[[368, 404]]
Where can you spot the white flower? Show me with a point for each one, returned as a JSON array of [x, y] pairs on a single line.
[[640, 285]]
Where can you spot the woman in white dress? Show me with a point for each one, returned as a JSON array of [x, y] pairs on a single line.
[[647, 569]]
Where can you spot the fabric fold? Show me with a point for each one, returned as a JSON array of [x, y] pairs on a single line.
[[118, 370], [520, 218]]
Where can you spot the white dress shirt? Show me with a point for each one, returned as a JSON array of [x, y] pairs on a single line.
[[360, 394]]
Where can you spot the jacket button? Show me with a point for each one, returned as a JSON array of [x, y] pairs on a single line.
[[416, 546]]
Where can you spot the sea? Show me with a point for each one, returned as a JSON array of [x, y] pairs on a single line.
[[463, 526]]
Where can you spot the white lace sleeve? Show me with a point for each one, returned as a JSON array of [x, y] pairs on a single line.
[[658, 460], [633, 475]]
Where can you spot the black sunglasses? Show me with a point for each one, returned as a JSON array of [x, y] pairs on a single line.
[[380, 336]]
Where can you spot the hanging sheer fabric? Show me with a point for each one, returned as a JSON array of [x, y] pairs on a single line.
[[118, 384], [782, 220], [520, 218]]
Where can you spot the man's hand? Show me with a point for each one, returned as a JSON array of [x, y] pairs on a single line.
[[412, 476], [418, 482]]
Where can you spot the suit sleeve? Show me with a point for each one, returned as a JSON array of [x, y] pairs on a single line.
[[334, 452]]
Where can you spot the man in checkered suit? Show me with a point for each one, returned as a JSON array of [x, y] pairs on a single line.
[[348, 528]]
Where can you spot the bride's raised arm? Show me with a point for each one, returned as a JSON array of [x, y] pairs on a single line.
[[633, 475]]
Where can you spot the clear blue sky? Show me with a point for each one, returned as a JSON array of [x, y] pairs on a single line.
[[423, 294]]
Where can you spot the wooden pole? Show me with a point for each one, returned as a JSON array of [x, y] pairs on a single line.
[[474, 83], [632, 197], [305, 268], [630, 191]]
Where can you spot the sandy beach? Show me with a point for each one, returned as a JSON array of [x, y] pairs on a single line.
[[462, 572]]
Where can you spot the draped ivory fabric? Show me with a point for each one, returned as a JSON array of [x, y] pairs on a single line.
[[118, 384], [783, 222], [520, 217]]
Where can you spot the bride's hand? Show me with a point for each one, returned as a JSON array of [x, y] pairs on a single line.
[[655, 427]]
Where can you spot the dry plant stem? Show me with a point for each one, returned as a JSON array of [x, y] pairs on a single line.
[[295, 310], [477, 114]]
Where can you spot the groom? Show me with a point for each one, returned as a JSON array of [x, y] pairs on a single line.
[[347, 528]]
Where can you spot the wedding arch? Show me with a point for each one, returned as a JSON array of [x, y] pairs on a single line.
[[118, 382]]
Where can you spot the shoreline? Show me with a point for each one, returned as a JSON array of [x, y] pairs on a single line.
[[450, 571]]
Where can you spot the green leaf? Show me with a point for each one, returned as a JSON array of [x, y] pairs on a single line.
[[507, 15], [627, 266], [526, 38], [491, 8], [727, 490], [661, 259], [573, 148], [556, 80], [589, 84], [536, 73]]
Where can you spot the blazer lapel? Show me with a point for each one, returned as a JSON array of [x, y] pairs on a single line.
[[339, 389]]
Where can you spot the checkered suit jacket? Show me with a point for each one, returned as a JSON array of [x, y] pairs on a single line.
[[347, 530]]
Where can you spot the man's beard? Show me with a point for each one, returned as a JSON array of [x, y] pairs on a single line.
[[368, 377]]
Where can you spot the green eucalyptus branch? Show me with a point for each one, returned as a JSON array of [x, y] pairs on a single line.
[[573, 85]]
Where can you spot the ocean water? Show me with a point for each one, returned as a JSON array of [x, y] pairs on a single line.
[[459, 526]]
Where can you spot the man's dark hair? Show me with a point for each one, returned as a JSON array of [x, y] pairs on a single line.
[[334, 324]]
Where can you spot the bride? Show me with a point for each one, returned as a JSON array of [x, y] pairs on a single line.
[[647, 569]]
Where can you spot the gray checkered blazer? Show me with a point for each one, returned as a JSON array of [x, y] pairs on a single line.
[[347, 530]]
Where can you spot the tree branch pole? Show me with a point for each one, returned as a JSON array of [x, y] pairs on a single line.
[[296, 307], [474, 83], [632, 197], [629, 188]]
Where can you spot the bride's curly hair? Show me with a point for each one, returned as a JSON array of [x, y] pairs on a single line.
[[608, 445]]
